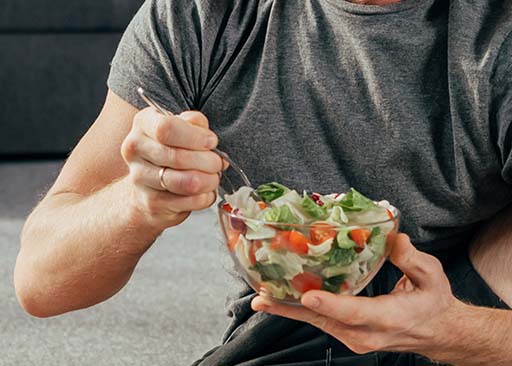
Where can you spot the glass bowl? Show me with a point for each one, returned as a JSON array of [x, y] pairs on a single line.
[[288, 260]]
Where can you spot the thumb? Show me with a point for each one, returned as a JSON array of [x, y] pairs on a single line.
[[195, 118], [424, 270]]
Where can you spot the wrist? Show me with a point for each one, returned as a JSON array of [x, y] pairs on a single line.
[[472, 335], [139, 218]]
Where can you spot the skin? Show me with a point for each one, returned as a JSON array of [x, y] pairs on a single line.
[[420, 315], [109, 196]]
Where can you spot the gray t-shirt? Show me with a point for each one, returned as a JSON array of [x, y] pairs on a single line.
[[410, 102]]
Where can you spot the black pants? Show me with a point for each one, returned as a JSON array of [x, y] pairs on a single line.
[[284, 342]]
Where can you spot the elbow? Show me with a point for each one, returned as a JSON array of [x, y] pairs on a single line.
[[29, 293]]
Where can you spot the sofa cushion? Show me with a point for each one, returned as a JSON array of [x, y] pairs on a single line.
[[65, 15], [56, 85]]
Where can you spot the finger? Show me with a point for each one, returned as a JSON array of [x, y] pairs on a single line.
[[328, 325], [262, 303], [350, 310], [424, 270], [174, 131], [189, 182], [185, 183], [162, 202], [196, 118], [179, 159]]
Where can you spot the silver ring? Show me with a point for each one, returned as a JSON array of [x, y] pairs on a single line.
[[161, 176]]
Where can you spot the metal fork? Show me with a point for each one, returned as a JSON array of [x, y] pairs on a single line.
[[151, 102]]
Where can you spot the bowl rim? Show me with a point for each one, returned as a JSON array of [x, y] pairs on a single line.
[[395, 211]]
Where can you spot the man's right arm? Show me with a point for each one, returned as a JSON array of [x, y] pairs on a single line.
[[82, 242]]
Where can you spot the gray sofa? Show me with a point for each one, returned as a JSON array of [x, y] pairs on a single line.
[[54, 62]]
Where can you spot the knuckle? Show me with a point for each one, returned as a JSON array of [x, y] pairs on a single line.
[[406, 257], [129, 148], [432, 267], [206, 200], [191, 184], [163, 131]]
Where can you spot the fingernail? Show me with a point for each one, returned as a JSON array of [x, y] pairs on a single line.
[[211, 141], [311, 302]]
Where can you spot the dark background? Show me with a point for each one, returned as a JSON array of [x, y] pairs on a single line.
[[54, 61]]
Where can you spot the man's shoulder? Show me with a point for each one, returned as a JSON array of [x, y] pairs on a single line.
[[485, 23], [480, 31]]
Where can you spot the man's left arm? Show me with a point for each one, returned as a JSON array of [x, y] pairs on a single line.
[[421, 315], [491, 254]]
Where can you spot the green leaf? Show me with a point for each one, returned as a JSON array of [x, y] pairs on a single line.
[[377, 241], [333, 284], [281, 214], [312, 209], [344, 240], [342, 257], [269, 272], [375, 231], [270, 191], [355, 201]]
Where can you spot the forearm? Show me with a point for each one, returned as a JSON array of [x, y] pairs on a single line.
[[77, 251], [475, 336], [484, 335], [491, 254]]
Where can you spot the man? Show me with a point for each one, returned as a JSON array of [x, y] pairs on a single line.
[[408, 101]]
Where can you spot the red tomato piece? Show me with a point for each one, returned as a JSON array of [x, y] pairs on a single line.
[[360, 236], [307, 281], [280, 241], [321, 232], [390, 214], [227, 207], [262, 205], [291, 240], [298, 242]]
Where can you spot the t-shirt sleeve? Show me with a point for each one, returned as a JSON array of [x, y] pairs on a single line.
[[502, 108], [159, 52]]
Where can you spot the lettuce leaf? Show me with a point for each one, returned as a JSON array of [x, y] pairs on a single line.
[[344, 240], [342, 257], [337, 216], [270, 191], [377, 241], [281, 214], [355, 201], [333, 284], [269, 271], [312, 209]]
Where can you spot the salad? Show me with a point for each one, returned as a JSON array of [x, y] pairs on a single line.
[[290, 243]]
